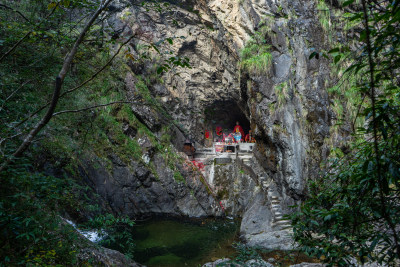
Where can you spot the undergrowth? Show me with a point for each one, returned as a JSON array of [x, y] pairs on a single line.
[[31, 229]]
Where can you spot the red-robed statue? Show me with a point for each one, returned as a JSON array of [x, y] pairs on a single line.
[[240, 129]]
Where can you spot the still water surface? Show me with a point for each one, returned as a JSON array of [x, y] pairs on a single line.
[[168, 242]]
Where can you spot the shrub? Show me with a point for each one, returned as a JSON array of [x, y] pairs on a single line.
[[256, 58]]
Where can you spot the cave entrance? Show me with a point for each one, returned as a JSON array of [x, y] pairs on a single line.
[[225, 114]]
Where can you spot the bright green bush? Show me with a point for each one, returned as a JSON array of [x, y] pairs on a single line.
[[255, 57]]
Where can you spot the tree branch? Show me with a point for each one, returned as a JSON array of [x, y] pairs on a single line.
[[28, 33], [58, 85], [77, 87], [375, 129], [91, 107], [13, 93], [22, 15], [97, 72]]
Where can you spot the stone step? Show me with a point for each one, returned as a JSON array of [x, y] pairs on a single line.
[[288, 228], [282, 222]]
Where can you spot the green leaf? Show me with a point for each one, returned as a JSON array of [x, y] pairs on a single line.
[[349, 69], [51, 5], [337, 59], [334, 50], [66, 3], [356, 16], [170, 40], [312, 55], [155, 48], [363, 36], [349, 2]]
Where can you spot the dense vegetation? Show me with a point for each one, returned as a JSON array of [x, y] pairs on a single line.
[[37, 38], [353, 209]]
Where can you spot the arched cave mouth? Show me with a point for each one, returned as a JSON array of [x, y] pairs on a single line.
[[225, 114]]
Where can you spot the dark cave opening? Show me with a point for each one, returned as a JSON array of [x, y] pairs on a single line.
[[225, 114]]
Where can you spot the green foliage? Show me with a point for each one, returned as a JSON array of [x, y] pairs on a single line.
[[353, 209], [255, 57], [116, 232], [32, 233], [338, 108], [30, 228], [178, 177], [345, 95], [281, 91], [324, 15], [245, 253]]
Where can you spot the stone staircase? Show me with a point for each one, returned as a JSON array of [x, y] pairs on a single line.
[[279, 222], [245, 162]]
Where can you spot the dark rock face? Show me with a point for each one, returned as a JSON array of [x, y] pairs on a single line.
[[135, 191]]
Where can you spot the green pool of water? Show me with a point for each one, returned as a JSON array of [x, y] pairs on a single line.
[[168, 242]]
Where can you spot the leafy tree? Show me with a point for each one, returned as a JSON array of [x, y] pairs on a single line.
[[65, 67], [58, 60], [353, 210], [57, 41]]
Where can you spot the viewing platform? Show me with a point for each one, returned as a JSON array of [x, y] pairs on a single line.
[[223, 152]]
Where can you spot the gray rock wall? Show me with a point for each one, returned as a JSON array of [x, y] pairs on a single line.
[[135, 191], [287, 105]]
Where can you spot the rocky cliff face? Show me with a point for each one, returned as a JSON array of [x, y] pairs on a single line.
[[286, 105]]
